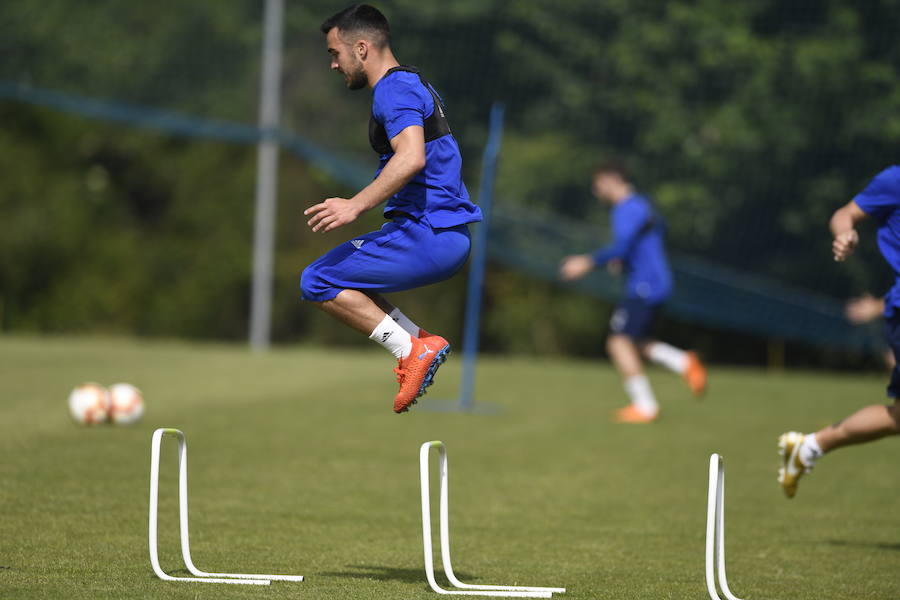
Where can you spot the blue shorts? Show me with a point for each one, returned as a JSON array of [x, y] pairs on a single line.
[[633, 317], [402, 255], [892, 329]]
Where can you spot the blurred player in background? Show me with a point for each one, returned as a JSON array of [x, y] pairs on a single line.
[[881, 201], [426, 239], [638, 249]]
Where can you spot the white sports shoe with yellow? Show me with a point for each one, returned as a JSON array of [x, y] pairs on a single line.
[[792, 467]]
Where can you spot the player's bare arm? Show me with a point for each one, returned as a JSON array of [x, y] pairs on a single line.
[[407, 161], [843, 228]]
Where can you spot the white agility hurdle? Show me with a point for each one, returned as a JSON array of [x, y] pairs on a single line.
[[715, 530], [514, 591], [200, 576]]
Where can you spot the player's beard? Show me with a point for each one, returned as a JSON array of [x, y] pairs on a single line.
[[356, 79]]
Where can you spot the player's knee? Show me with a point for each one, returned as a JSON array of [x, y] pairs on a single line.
[[312, 286], [894, 411], [614, 342]]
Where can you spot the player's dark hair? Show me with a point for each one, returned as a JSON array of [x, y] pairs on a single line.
[[361, 18], [612, 166]]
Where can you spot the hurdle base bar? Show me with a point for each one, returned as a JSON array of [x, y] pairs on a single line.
[[199, 576], [715, 530], [463, 589], [165, 577]]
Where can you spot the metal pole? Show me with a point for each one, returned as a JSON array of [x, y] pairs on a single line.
[[479, 256], [266, 178]]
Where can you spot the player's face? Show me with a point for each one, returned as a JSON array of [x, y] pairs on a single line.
[[345, 61]]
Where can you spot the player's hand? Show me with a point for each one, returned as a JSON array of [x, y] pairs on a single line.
[[332, 213], [575, 267], [844, 244], [864, 309]]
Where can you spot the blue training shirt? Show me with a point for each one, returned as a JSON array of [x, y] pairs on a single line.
[[638, 240], [881, 201], [437, 194]]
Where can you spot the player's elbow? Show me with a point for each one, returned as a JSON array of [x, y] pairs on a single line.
[[416, 162]]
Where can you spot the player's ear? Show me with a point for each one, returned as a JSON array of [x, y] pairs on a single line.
[[362, 49]]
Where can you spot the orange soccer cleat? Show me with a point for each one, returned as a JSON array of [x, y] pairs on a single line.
[[632, 414], [695, 375], [416, 371]]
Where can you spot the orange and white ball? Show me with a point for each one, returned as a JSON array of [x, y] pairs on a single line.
[[89, 403], [126, 404]]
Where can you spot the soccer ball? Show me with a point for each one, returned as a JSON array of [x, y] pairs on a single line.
[[89, 403], [126, 404]]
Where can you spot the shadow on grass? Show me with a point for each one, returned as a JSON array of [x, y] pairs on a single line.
[[172, 573], [383, 573], [864, 544]]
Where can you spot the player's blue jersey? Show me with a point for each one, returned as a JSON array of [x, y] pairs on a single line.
[[881, 201], [638, 240], [437, 194]]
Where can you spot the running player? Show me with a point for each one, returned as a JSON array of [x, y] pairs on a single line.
[[638, 248], [426, 238], [799, 453]]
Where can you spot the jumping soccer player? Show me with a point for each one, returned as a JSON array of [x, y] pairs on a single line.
[[427, 238], [638, 247], [881, 201]]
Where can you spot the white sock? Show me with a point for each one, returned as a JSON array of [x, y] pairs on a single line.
[[405, 322], [638, 389], [668, 356], [810, 451], [389, 334]]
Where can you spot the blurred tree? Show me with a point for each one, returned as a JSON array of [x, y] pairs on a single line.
[[747, 122]]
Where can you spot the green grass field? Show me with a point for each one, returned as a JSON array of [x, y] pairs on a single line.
[[298, 465]]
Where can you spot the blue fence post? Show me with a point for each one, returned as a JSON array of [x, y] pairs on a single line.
[[479, 256]]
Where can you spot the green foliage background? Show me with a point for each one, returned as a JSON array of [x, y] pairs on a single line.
[[748, 122]]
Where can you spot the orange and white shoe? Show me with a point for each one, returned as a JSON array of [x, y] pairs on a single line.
[[432, 338], [632, 414], [436, 340], [416, 371], [695, 375]]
